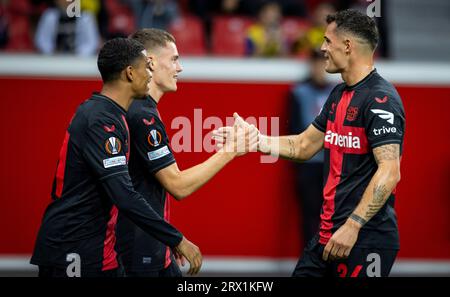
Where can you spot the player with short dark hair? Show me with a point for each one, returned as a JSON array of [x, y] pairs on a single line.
[[361, 128], [153, 167], [92, 183]]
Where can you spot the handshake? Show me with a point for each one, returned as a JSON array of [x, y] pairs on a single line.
[[239, 139]]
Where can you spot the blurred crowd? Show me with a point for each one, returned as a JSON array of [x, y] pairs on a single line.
[[201, 27]]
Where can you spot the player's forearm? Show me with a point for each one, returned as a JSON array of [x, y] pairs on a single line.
[[137, 209], [376, 194], [190, 180], [289, 147], [283, 146]]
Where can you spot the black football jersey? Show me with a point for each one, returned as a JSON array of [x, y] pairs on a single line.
[[355, 120], [150, 152], [91, 186]]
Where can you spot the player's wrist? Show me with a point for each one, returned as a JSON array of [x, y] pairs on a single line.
[[356, 221], [228, 154], [263, 143]]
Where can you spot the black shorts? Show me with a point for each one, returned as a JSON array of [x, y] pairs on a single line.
[[362, 262], [171, 271]]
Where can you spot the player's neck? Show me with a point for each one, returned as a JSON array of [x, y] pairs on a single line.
[[120, 95], [156, 93], [357, 72]]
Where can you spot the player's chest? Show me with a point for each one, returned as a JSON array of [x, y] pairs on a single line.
[[345, 131]]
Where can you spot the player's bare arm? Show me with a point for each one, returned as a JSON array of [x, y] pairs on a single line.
[[182, 183], [382, 184], [375, 196], [299, 148]]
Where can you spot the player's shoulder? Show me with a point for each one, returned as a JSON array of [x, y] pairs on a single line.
[[143, 110], [142, 107], [379, 86], [99, 111], [382, 94]]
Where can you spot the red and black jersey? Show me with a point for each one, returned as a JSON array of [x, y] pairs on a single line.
[[91, 184], [150, 152], [355, 120]]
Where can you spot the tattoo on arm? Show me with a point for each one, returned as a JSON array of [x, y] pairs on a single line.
[[386, 152], [380, 194], [291, 149], [358, 219]]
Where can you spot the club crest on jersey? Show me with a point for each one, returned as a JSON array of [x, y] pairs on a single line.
[[113, 146], [154, 138], [352, 113]]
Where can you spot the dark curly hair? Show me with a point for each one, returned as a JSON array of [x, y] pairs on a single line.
[[356, 23], [116, 55]]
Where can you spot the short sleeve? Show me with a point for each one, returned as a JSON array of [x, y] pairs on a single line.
[[150, 139], [384, 119], [320, 122], [106, 147]]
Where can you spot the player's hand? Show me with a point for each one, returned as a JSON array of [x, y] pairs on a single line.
[[179, 258], [239, 139], [341, 243], [192, 254]]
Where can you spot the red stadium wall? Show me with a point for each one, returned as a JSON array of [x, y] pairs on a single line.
[[250, 208]]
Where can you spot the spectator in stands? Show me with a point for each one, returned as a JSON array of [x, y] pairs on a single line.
[[154, 13], [288, 7], [265, 38], [207, 9], [98, 10], [313, 37], [307, 98], [3, 25], [57, 32]]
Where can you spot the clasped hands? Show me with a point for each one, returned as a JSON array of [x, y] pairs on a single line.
[[239, 139]]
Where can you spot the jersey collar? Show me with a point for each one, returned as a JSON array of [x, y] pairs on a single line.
[[152, 101], [103, 97], [361, 82]]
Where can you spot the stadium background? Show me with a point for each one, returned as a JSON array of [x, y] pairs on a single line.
[[245, 220]]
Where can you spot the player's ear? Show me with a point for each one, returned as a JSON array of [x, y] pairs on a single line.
[[348, 46], [152, 62], [129, 73]]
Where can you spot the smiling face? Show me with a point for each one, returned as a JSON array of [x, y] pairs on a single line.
[[166, 66], [336, 50], [142, 75]]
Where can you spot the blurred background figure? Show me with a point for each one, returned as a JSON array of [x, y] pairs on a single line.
[[58, 33], [157, 14], [208, 10], [264, 38], [3, 25], [307, 98], [312, 38]]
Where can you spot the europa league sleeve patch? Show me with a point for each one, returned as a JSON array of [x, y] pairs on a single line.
[[154, 138], [113, 146]]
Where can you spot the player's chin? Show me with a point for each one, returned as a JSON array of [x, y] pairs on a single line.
[[331, 69], [171, 87], [143, 93]]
